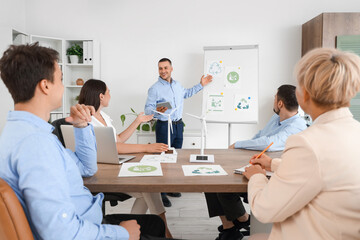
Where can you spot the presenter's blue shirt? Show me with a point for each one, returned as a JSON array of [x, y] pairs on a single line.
[[174, 92], [47, 179], [276, 132]]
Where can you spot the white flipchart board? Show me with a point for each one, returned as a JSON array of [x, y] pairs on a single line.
[[232, 96]]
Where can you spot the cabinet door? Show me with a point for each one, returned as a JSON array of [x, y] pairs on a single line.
[[146, 139], [191, 143]]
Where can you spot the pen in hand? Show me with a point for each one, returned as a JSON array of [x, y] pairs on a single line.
[[263, 151]]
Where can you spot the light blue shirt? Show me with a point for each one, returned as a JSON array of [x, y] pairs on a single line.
[[276, 132], [163, 91], [47, 179]]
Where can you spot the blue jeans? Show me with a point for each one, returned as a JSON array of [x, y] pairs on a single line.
[[176, 136]]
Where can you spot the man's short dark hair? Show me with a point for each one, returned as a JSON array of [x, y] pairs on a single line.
[[286, 93], [23, 67], [89, 94], [165, 60]]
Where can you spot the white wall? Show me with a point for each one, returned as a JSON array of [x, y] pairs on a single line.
[[135, 34], [12, 16]]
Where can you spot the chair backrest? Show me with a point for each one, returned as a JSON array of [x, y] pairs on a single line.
[[57, 131], [13, 222]]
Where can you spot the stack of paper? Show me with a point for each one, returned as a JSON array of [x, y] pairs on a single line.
[[242, 170], [164, 158]]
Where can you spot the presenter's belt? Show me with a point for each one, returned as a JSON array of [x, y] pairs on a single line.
[[173, 122]]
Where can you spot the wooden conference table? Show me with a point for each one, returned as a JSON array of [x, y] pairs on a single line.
[[173, 180]]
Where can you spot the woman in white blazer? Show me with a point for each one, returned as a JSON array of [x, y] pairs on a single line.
[[96, 93], [315, 190]]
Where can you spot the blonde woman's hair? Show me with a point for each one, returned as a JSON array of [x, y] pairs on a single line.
[[331, 77]]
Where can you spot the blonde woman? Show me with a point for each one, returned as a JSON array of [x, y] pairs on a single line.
[[96, 93], [315, 191]]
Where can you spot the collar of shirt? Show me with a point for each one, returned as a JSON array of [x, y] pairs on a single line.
[[288, 119], [31, 118], [164, 82]]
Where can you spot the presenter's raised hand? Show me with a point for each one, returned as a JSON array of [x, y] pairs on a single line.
[[264, 161], [141, 118], [161, 109], [205, 80], [80, 115], [133, 229]]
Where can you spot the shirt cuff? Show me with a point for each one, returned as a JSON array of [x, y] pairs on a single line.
[[115, 232], [199, 86], [237, 144], [123, 233], [275, 162]]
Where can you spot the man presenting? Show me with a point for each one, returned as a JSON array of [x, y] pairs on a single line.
[[286, 121], [167, 89]]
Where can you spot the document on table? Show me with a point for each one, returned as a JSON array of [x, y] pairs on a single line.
[[140, 169], [203, 170], [242, 170], [163, 158]]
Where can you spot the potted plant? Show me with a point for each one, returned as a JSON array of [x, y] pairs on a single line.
[[75, 53]]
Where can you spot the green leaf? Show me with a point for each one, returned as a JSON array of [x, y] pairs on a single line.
[[122, 117], [75, 49], [138, 128], [133, 110], [145, 127], [153, 127]]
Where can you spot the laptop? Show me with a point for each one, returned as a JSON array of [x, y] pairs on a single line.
[[106, 147]]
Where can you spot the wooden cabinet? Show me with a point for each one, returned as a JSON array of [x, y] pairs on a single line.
[[322, 30]]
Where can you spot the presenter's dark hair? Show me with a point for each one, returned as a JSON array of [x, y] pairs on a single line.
[[23, 67], [89, 94], [165, 60], [286, 93]]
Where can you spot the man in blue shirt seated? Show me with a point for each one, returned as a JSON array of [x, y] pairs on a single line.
[[167, 89], [285, 122], [47, 178]]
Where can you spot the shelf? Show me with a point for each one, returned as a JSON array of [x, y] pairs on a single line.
[[79, 65]]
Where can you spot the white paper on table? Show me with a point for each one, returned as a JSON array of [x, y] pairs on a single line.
[[164, 158], [203, 170], [140, 169], [242, 170]]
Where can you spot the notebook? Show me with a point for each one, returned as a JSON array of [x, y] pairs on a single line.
[[106, 147], [242, 170]]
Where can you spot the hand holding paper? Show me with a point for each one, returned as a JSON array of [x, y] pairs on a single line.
[[252, 170]]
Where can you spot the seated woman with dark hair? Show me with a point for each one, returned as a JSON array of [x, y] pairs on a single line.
[[95, 93]]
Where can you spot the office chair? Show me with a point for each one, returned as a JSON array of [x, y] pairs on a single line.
[[13, 222], [113, 198]]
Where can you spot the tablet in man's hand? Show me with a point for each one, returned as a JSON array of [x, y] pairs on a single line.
[[164, 104]]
